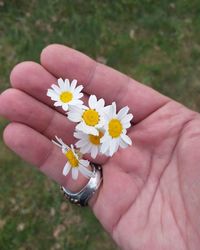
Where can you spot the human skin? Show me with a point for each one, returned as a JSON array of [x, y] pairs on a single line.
[[150, 195]]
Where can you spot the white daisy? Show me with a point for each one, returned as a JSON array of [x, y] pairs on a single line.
[[75, 162], [90, 119], [116, 125], [88, 143], [66, 95]]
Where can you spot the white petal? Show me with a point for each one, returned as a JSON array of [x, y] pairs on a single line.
[[106, 109], [112, 111], [112, 146], [87, 129], [117, 144], [75, 102], [61, 142], [66, 169], [87, 173], [75, 173], [127, 118], [126, 125], [67, 84], [92, 131], [78, 106], [104, 147], [64, 150], [86, 148], [80, 127], [78, 109], [122, 113], [56, 89], [55, 98], [107, 153], [73, 116], [78, 96], [100, 104], [51, 93], [101, 123], [92, 102], [60, 83], [57, 104], [73, 84], [114, 108], [81, 143], [78, 89], [57, 144], [94, 151], [85, 163], [65, 107], [84, 107], [107, 147], [124, 131], [126, 139], [104, 138], [122, 144], [78, 134], [75, 152]]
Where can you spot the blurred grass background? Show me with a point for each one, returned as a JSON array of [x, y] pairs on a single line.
[[156, 42]]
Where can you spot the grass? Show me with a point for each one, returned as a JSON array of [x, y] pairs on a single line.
[[156, 42]]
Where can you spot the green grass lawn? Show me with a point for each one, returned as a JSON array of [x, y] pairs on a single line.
[[156, 42]]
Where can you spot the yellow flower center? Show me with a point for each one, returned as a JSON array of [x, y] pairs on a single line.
[[90, 117], [115, 128], [72, 159], [95, 139], [66, 96]]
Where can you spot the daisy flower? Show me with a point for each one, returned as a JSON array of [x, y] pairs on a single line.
[[65, 94], [75, 163], [88, 143], [90, 119], [116, 125]]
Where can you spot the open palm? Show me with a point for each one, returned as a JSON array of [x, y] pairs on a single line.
[[150, 196]]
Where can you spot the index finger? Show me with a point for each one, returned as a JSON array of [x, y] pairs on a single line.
[[102, 80]]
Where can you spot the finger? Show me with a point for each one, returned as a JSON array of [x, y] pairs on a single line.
[[101, 80], [37, 82], [33, 79], [17, 106], [39, 151]]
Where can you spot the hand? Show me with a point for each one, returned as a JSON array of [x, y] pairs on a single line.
[[150, 196]]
